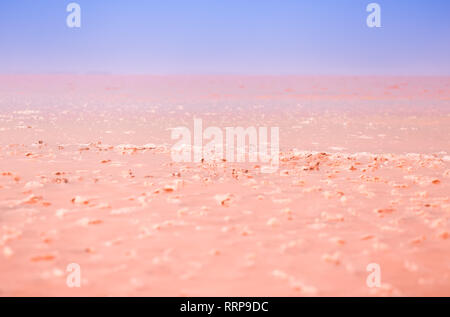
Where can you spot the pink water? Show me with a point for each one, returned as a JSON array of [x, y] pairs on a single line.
[[86, 177]]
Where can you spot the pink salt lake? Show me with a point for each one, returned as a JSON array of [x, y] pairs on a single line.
[[86, 177]]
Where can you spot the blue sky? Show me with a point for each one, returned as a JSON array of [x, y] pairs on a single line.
[[309, 37]]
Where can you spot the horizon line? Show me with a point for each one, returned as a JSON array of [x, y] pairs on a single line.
[[215, 74]]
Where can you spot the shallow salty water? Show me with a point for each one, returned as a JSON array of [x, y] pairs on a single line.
[[87, 178]]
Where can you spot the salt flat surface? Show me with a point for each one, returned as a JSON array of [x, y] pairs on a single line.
[[86, 177]]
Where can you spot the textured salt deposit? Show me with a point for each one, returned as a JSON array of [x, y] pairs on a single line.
[[353, 188]]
